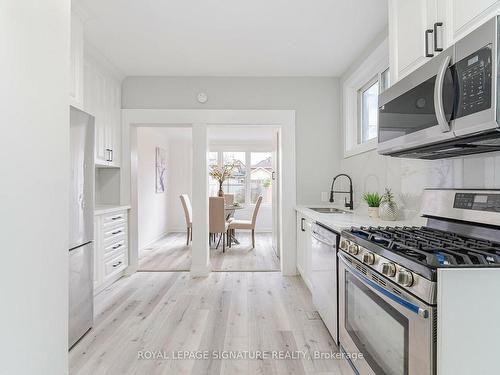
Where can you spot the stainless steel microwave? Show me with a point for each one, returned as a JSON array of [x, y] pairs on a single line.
[[449, 106]]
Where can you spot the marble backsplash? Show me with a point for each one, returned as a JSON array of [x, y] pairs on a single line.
[[408, 178]]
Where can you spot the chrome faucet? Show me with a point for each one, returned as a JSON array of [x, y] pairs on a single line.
[[350, 204]]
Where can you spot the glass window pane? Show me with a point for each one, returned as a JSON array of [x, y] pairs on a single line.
[[261, 176], [369, 113], [385, 80], [237, 184], [213, 185]]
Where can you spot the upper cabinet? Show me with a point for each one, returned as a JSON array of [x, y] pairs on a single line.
[[421, 29], [76, 62], [411, 35], [102, 99]]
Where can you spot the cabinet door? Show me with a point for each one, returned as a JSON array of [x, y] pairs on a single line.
[[409, 20], [76, 63], [300, 245], [114, 108], [463, 16], [101, 127]]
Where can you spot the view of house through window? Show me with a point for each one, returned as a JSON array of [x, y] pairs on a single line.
[[247, 184]]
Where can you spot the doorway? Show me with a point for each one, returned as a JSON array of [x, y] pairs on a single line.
[[251, 197]]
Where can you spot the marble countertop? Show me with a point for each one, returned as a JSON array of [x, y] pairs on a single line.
[[101, 209], [358, 217]]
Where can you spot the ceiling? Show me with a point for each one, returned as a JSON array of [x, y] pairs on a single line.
[[232, 37]]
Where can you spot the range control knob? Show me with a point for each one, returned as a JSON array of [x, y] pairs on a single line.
[[405, 278], [344, 244], [368, 258], [353, 249], [389, 269]]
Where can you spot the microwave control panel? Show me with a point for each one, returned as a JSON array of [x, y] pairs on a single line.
[[473, 76], [478, 202]]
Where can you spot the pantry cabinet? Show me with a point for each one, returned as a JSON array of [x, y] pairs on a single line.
[[421, 29], [103, 101], [76, 63]]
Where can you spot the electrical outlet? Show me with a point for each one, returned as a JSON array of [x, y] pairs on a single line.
[[324, 196]]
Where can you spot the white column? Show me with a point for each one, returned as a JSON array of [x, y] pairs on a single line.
[[200, 265]]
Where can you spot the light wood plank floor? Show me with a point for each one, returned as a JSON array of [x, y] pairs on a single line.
[[233, 311], [170, 253]]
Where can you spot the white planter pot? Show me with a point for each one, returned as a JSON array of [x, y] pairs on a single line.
[[388, 211], [373, 212]]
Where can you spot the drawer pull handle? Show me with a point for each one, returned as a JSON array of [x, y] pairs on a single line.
[[116, 218], [117, 246], [117, 264], [116, 232]]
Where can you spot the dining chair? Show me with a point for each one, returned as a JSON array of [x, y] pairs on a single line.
[[217, 219], [188, 212], [247, 224]]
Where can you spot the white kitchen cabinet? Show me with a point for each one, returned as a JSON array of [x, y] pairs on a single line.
[[409, 21], [76, 63], [103, 100], [304, 248], [462, 16], [111, 247]]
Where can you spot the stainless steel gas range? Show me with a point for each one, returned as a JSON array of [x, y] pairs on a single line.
[[388, 279]]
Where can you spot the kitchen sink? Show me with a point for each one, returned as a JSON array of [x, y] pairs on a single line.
[[329, 210]]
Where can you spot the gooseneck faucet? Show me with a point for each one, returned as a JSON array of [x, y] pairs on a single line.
[[350, 204]]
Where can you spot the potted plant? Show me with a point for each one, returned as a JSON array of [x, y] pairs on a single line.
[[388, 207], [221, 174], [373, 201]]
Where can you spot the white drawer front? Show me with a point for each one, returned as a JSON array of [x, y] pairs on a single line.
[[111, 235], [115, 265], [114, 218], [115, 247]]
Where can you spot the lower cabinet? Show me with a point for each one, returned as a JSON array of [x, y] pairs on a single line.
[[304, 248], [111, 248]]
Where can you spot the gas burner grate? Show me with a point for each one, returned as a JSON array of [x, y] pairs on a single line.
[[432, 247]]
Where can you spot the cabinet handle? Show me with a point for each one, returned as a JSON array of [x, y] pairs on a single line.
[[302, 224], [116, 218], [111, 153], [117, 246], [436, 25], [116, 232], [108, 151], [117, 264], [427, 53]]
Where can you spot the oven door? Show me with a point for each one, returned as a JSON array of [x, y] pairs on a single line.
[[394, 331], [418, 109]]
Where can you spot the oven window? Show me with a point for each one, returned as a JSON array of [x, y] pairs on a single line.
[[379, 330]]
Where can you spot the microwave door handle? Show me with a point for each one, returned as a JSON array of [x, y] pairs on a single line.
[[424, 313], [438, 96]]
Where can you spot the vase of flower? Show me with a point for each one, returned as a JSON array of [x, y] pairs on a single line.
[[221, 174], [388, 207], [373, 201]]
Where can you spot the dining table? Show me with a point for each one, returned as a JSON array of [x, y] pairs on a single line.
[[229, 210]]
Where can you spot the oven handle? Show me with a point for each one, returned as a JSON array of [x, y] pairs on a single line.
[[407, 304], [438, 96]]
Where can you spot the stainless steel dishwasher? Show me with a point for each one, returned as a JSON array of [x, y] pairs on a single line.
[[324, 275]]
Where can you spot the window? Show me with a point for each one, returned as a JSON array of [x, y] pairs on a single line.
[[368, 114], [261, 177], [247, 184], [237, 184]]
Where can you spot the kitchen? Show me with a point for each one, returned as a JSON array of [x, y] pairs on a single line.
[[427, 310]]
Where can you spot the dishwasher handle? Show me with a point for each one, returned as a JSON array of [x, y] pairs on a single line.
[[321, 239]]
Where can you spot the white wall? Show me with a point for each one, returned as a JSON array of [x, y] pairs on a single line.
[[152, 206], [34, 169], [179, 177], [407, 177], [315, 100], [161, 213]]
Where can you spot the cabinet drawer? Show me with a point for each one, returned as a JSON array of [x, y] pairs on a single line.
[[116, 264], [114, 218], [114, 234], [115, 247]]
